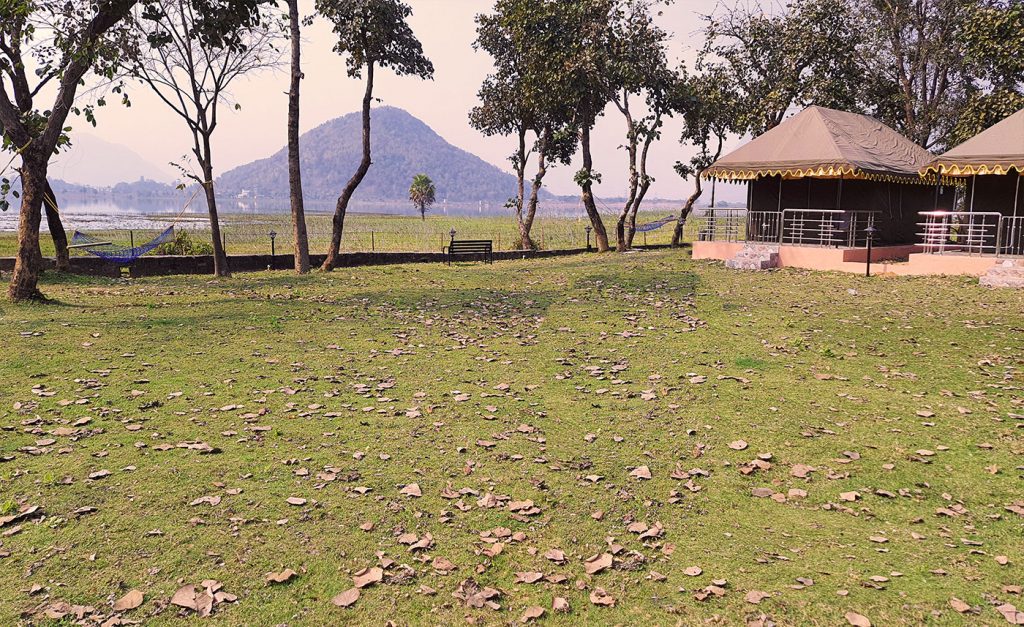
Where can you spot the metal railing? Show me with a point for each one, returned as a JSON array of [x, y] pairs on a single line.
[[764, 226], [840, 228], [722, 225], [976, 233], [1011, 236]]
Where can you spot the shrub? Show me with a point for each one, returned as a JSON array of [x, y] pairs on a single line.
[[183, 244]]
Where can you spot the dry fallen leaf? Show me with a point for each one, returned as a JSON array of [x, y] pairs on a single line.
[[857, 620], [368, 577], [756, 596], [281, 577], [411, 490], [959, 605], [641, 472], [599, 597], [532, 613], [346, 598], [738, 445], [129, 601], [597, 563], [560, 604]]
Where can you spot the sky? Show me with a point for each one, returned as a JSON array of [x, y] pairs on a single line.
[[447, 30]]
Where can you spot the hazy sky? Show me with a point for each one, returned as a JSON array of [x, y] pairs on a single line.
[[447, 30]]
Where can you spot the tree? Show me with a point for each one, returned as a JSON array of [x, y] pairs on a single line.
[[806, 54], [191, 76], [422, 194], [82, 37], [577, 56], [710, 115], [80, 43], [915, 74], [639, 66], [516, 99], [294, 167], [372, 33]]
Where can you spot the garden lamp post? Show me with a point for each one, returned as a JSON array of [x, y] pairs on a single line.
[[870, 231], [588, 229], [273, 250], [452, 234]]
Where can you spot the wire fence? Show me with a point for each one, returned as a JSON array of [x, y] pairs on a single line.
[[273, 233]]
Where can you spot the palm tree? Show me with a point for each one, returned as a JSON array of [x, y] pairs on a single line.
[[422, 193]]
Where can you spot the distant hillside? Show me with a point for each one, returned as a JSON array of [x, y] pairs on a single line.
[[403, 146], [96, 162]]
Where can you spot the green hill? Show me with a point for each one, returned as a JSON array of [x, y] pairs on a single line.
[[402, 147]]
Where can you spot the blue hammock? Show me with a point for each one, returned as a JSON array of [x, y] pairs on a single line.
[[119, 254], [653, 226]]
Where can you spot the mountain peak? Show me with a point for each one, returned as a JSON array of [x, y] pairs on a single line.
[[402, 146]]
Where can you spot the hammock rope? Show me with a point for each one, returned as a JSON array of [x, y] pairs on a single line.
[[125, 255], [119, 254], [657, 224]]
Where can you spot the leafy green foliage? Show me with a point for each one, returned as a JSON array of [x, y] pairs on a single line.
[[376, 32], [184, 244]]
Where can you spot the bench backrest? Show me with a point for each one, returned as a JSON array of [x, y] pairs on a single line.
[[470, 246]]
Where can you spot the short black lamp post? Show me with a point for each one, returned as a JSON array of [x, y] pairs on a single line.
[[870, 231], [588, 229], [452, 234], [273, 248]]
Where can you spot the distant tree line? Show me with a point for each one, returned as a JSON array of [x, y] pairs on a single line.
[[937, 70]]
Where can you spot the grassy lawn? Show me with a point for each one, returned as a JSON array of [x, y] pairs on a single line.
[[836, 443]]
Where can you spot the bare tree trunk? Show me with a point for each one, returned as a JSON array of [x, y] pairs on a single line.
[[220, 258], [28, 263], [677, 234], [645, 185], [524, 242], [600, 235], [294, 163], [631, 222], [346, 195], [538, 181], [621, 244], [57, 233]]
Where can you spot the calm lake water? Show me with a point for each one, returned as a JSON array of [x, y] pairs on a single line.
[[105, 213]]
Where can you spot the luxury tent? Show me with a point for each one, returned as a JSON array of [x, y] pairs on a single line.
[[991, 217], [831, 178]]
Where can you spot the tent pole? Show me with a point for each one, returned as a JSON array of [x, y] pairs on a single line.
[[974, 185], [937, 186], [1016, 194], [713, 181]]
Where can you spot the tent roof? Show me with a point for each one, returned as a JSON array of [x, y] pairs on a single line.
[[993, 151], [820, 142]]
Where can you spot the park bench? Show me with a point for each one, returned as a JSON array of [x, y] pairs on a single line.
[[474, 247]]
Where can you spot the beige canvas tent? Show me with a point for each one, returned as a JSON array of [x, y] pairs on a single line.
[[825, 143], [823, 177], [992, 215], [995, 151]]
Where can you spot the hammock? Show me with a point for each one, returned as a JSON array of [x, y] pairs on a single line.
[[653, 226], [119, 254]]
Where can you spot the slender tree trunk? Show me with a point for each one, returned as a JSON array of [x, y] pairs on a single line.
[[645, 185], [294, 163], [538, 182], [346, 195], [631, 221], [220, 258], [621, 243], [677, 234], [57, 233], [600, 235], [28, 263], [524, 242]]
